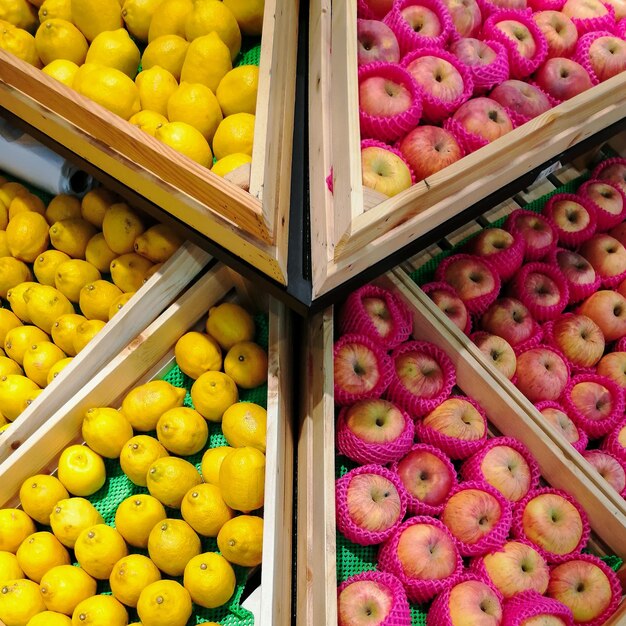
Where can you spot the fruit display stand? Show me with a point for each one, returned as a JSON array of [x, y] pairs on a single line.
[[150, 356]]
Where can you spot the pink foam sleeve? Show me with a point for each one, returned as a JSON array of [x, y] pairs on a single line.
[[606, 220], [471, 469], [428, 288], [616, 588], [595, 428], [527, 604], [487, 7], [416, 405], [498, 534], [581, 54], [518, 525], [434, 109], [414, 504], [612, 445], [546, 5], [479, 304], [417, 589], [591, 24], [532, 342], [329, 180], [400, 613], [374, 143], [470, 142], [361, 451], [485, 77], [343, 396], [622, 464], [363, 11], [540, 312], [620, 345], [452, 446], [354, 319], [531, 253], [519, 66], [410, 40], [346, 524], [577, 292], [599, 170], [583, 439], [566, 238], [392, 127], [620, 28], [505, 262]]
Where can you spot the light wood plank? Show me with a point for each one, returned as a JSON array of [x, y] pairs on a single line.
[[536, 191], [460, 234], [504, 209]]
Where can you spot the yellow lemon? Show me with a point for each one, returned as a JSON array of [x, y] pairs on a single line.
[[100, 611], [39, 553], [12, 189], [106, 431], [130, 576], [169, 19], [45, 305], [111, 89], [96, 298], [249, 15], [85, 332], [120, 227], [214, 16], [196, 105], [158, 243], [26, 203], [186, 140], [129, 270], [207, 61], [237, 91], [144, 405], [60, 39], [137, 15], [4, 246], [9, 366], [95, 203], [210, 580], [164, 602], [27, 236], [246, 364], [234, 134], [70, 517], [169, 478], [81, 470], [241, 540], [64, 331], [15, 526], [4, 427], [138, 455], [204, 509], [229, 163], [63, 587], [9, 567], [21, 44], [245, 424], [15, 296], [197, 353], [12, 273], [4, 217], [39, 495], [118, 303], [229, 324], [182, 431], [167, 52], [30, 398], [45, 266], [50, 618], [19, 13], [98, 549], [71, 236], [62, 70], [136, 517], [155, 85], [95, 16], [71, 276], [171, 544], [211, 463], [62, 207], [148, 121], [115, 49], [19, 601], [8, 321], [98, 252], [57, 368], [15, 391], [38, 360], [212, 394], [61, 9], [242, 479], [19, 339], [155, 269]]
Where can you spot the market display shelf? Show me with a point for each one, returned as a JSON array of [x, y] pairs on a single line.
[[150, 355], [317, 533]]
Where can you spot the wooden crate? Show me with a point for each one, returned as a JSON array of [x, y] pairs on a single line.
[[153, 297], [150, 355], [316, 548], [354, 227], [254, 224]]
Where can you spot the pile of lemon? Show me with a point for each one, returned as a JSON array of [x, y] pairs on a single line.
[[52, 260], [39, 586], [187, 95]]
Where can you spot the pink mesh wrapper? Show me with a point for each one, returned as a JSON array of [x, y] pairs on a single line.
[[455, 448], [612, 445], [581, 443], [600, 171], [581, 54], [519, 66], [497, 536], [532, 342], [410, 40], [518, 525], [531, 253], [434, 109], [577, 292], [428, 288], [590, 453], [505, 262], [360, 451], [616, 588], [345, 396], [394, 127], [347, 526], [523, 606], [416, 405], [620, 345], [485, 77], [540, 312], [374, 143], [567, 238], [605, 220], [471, 470], [439, 612], [595, 428], [400, 614], [479, 304], [546, 5], [591, 24], [417, 590], [620, 28], [487, 8], [414, 504], [354, 318]]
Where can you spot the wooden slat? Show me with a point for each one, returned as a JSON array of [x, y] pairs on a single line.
[[460, 234], [504, 209], [536, 191], [566, 174]]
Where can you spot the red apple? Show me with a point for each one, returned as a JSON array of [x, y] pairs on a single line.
[[538, 233], [384, 171], [509, 319], [376, 42], [472, 278], [573, 217], [607, 56], [484, 117], [608, 201], [382, 97], [364, 603], [502, 249], [609, 467], [579, 338], [595, 403], [506, 469], [498, 351], [584, 9], [457, 418], [466, 16], [613, 366], [562, 423], [375, 420], [422, 20], [519, 34], [615, 172], [542, 288], [619, 6], [377, 8], [563, 78], [581, 278], [437, 77], [619, 231], [541, 374], [373, 502], [606, 255], [379, 313], [559, 31], [472, 603], [444, 296], [473, 52], [420, 373], [526, 100], [608, 310], [615, 442]]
